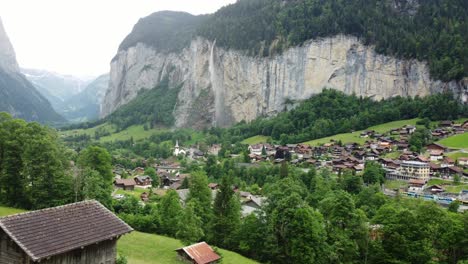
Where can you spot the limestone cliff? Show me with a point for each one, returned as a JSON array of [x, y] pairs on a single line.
[[7, 53], [221, 87]]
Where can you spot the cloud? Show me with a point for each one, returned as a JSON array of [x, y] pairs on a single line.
[[80, 37]]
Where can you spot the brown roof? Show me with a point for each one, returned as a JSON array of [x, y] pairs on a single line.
[[57, 230], [125, 182], [201, 253], [417, 181]]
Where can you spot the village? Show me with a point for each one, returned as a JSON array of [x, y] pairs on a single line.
[[430, 174]]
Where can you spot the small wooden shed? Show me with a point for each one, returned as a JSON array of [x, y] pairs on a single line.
[[200, 253], [79, 233]]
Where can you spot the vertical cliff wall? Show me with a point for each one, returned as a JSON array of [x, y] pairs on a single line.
[[223, 87]]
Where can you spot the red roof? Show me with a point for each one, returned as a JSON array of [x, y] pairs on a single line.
[[201, 253]]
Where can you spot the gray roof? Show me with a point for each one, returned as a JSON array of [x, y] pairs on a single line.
[[53, 231]]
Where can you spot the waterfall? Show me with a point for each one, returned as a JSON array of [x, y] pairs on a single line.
[[218, 90]]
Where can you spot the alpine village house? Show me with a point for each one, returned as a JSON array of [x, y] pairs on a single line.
[[79, 233]]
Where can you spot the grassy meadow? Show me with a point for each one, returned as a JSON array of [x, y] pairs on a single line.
[[142, 248], [4, 211], [255, 140], [355, 136], [456, 141]]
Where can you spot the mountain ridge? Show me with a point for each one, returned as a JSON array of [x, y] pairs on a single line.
[[250, 58], [17, 95]]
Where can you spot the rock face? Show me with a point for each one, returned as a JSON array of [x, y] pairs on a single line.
[[17, 95], [221, 87], [7, 53]]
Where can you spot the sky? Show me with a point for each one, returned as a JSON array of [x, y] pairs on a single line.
[[80, 37]]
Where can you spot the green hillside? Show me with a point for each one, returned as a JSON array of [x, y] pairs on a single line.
[[142, 248], [4, 211], [354, 136], [255, 140], [457, 141]]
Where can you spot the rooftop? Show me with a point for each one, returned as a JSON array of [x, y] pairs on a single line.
[[201, 253], [49, 232]]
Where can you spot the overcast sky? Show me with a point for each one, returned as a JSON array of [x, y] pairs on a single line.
[[80, 37]]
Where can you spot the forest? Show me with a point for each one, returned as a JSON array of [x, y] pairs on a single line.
[[154, 107], [332, 112], [37, 170], [313, 217], [431, 30]]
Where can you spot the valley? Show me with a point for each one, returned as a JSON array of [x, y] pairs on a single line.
[[266, 131]]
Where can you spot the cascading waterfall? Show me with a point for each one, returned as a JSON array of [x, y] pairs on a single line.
[[218, 90]]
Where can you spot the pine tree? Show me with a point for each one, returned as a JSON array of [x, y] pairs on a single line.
[[190, 230], [226, 218], [200, 194], [170, 212]]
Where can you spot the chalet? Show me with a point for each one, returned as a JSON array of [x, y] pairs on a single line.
[[436, 146], [465, 125], [252, 204], [197, 154], [358, 168], [447, 162], [463, 161], [436, 155], [450, 171], [125, 184], [416, 185], [78, 233], [446, 123], [143, 181], [200, 253], [435, 189], [410, 129], [367, 133], [372, 156], [138, 171]]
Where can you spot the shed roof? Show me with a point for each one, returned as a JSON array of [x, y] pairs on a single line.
[[125, 182], [201, 253], [48, 232]]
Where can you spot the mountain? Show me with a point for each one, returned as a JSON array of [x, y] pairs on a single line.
[[56, 87], [256, 57], [85, 105], [17, 95]]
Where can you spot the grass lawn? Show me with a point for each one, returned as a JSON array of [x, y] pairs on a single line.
[[457, 141], [355, 136], [438, 182], [137, 132], [4, 211], [395, 184], [456, 155], [136, 192], [448, 185], [393, 155], [456, 189], [142, 248], [87, 131], [255, 140]]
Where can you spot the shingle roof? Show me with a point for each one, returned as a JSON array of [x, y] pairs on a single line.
[[201, 253], [125, 182], [57, 230]]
